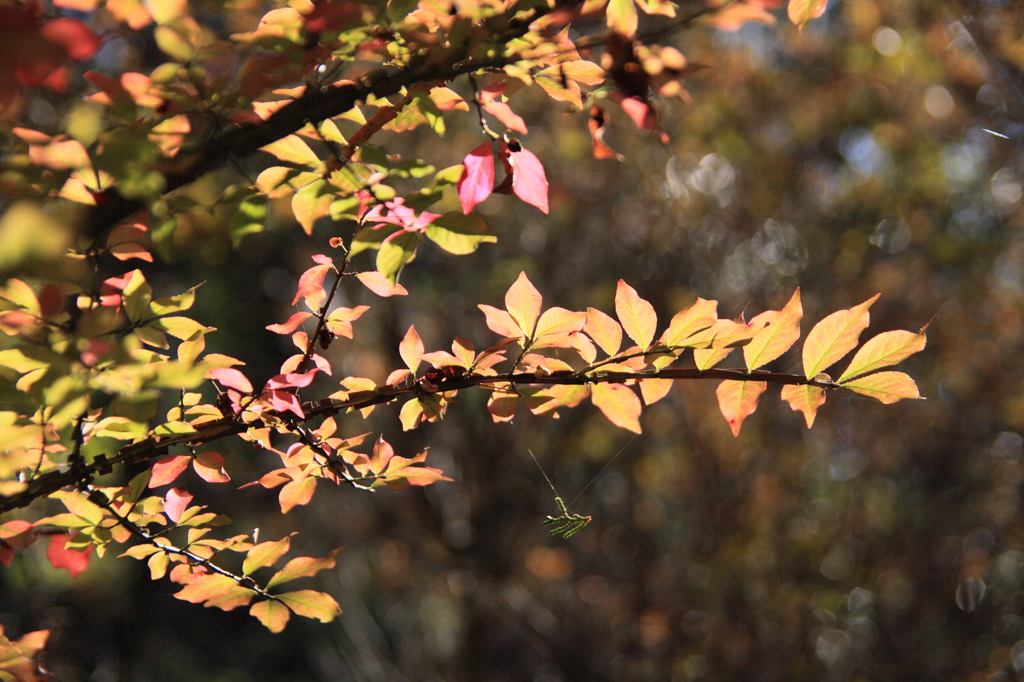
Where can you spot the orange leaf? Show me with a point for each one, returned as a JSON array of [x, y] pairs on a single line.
[[272, 614], [61, 557], [884, 350], [303, 567], [296, 493], [834, 337], [781, 332], [888, 387], [291, 325], [737, 400], [654, 390], [605, 331], [802, 11], [379, 284], [216, 590], [411, 349], [619, 404], [806, 399], [312, 604], [166, 470], [636, 315], [210, 467], [501, 323], [502, 406], [560, 321], [523, 303]]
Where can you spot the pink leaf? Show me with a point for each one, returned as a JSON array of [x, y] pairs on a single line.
[[311, 286], [528, 179], [477, 181], [61, 557], [379, 284], [291, 380], [166, 470], [282, 401], [175, 502], [231, 378], [509, 118]]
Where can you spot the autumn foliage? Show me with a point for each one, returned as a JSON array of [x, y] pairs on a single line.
[[86, 342]]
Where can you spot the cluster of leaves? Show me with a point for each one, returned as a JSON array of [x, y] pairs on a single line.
[[88, 350]]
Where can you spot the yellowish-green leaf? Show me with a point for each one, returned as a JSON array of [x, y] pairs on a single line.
[[622, 17], [887, 387], [834, 337], [303, 567], [884, 350], [293, 149], [265, 554], [698, 317], [459, 234], [272, 614], [781, 332], [312, 604]]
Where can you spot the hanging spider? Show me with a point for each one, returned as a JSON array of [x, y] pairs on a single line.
[[567, 524]]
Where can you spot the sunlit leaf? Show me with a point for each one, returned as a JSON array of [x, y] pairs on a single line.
[[477, 181], [411, 349], [303, 567], [636, 315], [274, 615], [312, 604], [523, 303], [297, 493], [622, 17], [802, 11], [529, 181], [805, 399], [884, 350], [834, 337], [781, 332], [737, 400], [619, 404], [265, 554], [887, 387]]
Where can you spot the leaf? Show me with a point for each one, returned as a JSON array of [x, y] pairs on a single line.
[[411, 349], [60, 556], [459, 234], [503, 112], [312, 604], [887, 387], [698, 317], [216, 590], [303, 567], [706, 358], [523, 302], [265, 554], [781, 332], [292, 149], [619, 404], [503, 405], [884, 350], [232, 378], [636, 315], [477, 181], [175, 502], [834, 337], [396, 251], [274, 615], [528, 179], [559, 321], [654, 390], [737, 400], [311, 285], [411, 414], [802, 11], [622, 17], [379, 284], [166, 470], [297, 493], [210, 467], [501, 323], [806, 399]]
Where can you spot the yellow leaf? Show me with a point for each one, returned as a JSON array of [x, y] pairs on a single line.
[[636, 315], [887, 387], [834, 337], [781, 332], [737, 400], [622, 17], [884, 350], [619, 404], [806, 399], [523, 303], [274, 615]]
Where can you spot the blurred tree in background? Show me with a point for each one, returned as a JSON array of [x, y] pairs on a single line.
[[878, 149]]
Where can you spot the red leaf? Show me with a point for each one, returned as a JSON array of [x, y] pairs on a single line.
[[166, 470], [528, 179], [61, 557], [379, 284], [477, 181], [175, 502], [210, 467], [291, 325], [231, 378], [296, 493], [75, 37], [737, 400], [311, 285]]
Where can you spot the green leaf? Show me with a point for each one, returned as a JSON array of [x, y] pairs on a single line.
[[136, 296], [248, 218], [396, 252], [312, 604], [459, 234]]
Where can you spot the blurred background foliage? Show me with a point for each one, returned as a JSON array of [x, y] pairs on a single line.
[[878, 151]]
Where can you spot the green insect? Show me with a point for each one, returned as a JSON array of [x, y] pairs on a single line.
[[567, 524]]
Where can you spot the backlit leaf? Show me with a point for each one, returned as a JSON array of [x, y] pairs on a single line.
[[210, 467], [232, 378], [175, 502], [411, 349], [292, 149], [560, 321], [274, 615], [265, 554], [500, 322], [802, 11], [297, 493], [805, 399], [528, 179], [622, 17], [477, 181], [619, 404], [604, 330], [654, 390], [737, 400], [381, 285], [523, 302], [60, 556], [312, 604], [303, 567], [636, 315], [686, 323], [168, 469], [459, 234], [396, 251], [834, 337], [781, 332], [884, 350], [887, 387]]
